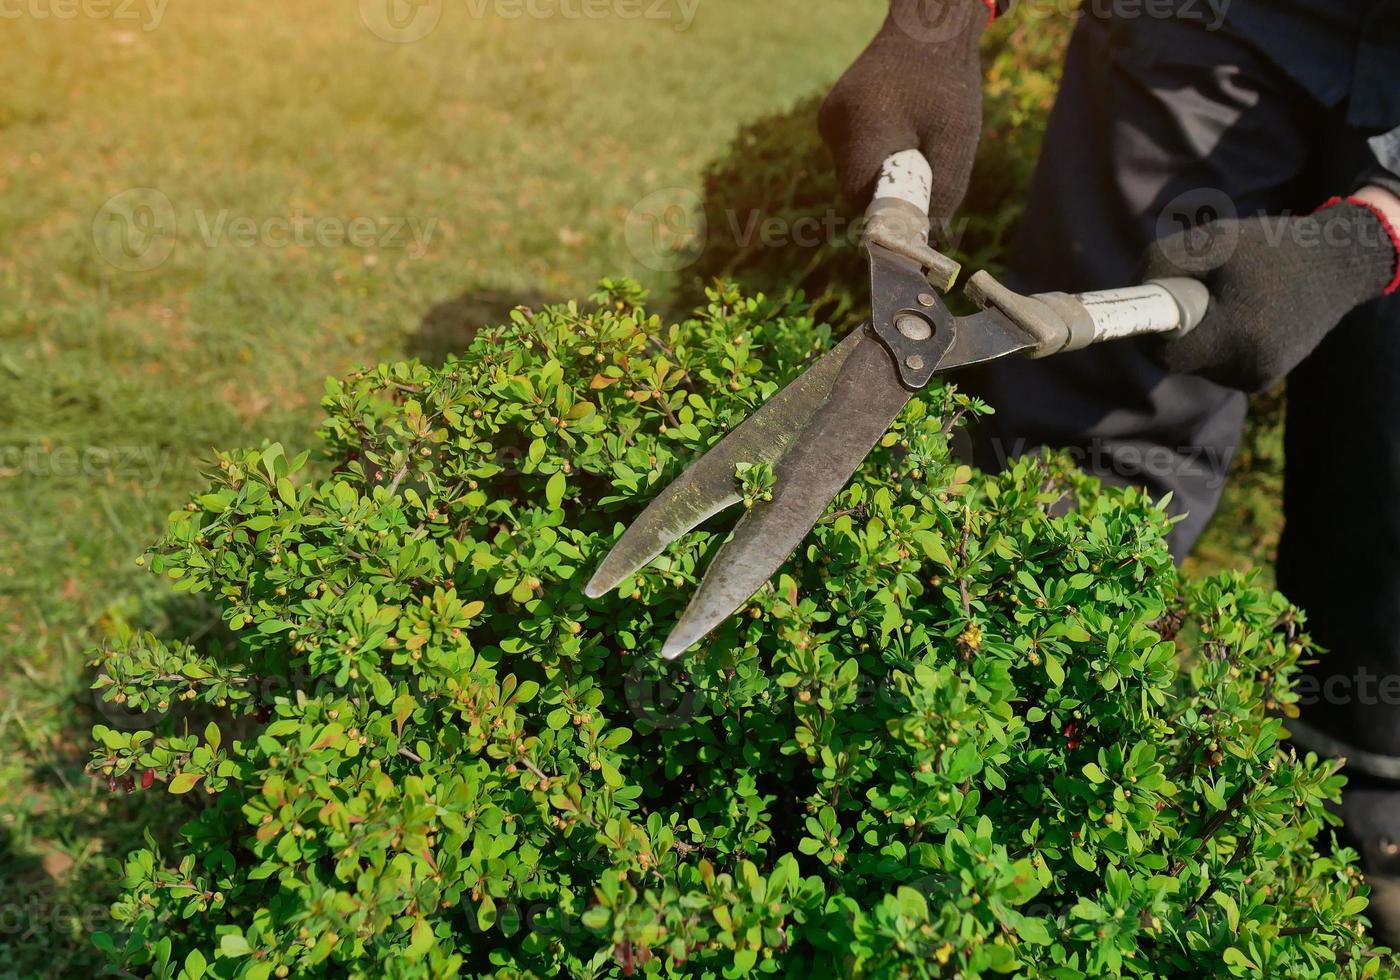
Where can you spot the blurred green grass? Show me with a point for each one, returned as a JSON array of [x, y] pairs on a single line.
[[520, 144]]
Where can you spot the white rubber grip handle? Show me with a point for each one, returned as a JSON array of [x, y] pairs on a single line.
[[906, 176], [1151, 308]]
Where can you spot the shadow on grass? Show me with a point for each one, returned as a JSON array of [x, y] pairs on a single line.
[[60, 864], [450, 326], [775, 221]]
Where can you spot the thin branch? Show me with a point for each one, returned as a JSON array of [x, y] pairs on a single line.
[[953, 420], [403, 472], [524, 761], [670, 415], [837, 515], [962, 562], [1209, 828]]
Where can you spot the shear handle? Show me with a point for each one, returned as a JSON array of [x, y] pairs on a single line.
[[898, 220], [1062, 322]]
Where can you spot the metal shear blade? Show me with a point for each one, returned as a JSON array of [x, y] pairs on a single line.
[[815, 433]]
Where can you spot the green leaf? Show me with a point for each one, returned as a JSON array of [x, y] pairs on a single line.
[[1082, 857], [611, 776], [382, 689], [233, 945], [1033, 931], [184, 782], [934, 549], [1214, 797], [721, 915], [214, 503], [1235, 958], [1232, 909], [912, 903], [486, 912], [421, 939], [554, 490], [287, 492]]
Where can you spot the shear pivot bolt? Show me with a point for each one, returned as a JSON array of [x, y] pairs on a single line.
[[914, 363], [913, 327]]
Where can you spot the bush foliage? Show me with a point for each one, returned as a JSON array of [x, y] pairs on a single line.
[[963, 732]]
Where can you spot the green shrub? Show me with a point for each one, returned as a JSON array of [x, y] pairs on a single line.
[[955, 736]]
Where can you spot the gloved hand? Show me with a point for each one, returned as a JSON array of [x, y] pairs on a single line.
[[917, 86], [1278, 285]]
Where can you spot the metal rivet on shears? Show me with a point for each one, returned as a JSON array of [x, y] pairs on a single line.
[[914, 362], [913, 327], [926, 299]]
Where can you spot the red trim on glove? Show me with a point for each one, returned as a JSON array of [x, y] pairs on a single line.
[[991, 6], [1385, 224]]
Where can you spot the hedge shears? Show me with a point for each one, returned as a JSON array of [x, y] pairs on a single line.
[[815, 432]]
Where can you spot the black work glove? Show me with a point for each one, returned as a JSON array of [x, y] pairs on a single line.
[[917, 86], [1278, 285]]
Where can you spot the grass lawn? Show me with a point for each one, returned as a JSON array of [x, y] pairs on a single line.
[[177, 186], [511, 149]]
